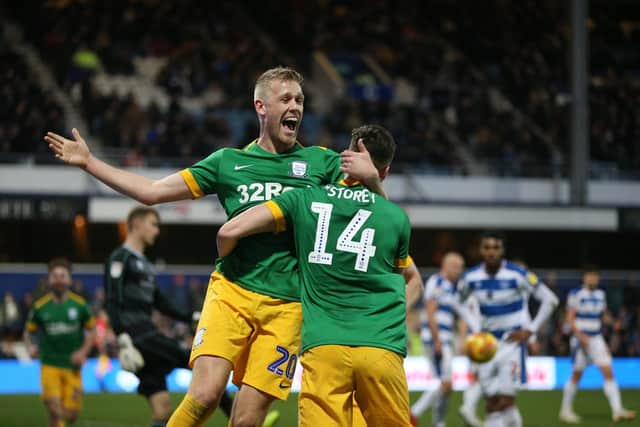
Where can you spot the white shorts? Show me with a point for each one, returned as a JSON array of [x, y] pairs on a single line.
[[597, 353], [440, 366], [505, 373]]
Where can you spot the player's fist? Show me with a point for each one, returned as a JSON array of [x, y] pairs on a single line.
[[129, 356]]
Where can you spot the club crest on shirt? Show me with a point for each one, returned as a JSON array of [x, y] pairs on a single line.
[[298, 169], [116, 269], [199, 338], [72, 313]]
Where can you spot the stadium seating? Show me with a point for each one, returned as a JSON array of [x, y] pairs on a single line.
[[472, 88]]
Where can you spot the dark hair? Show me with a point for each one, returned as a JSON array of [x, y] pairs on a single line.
[[140, 212], [59, 262], [590, 268], [379, 143], [494, 234]]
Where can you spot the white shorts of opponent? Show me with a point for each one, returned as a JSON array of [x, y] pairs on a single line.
[[506, 373], [440, 365], [596, 352]]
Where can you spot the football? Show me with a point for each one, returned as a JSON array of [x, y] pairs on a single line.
[[481, 346]]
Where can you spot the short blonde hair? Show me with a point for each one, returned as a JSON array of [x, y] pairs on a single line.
[[275, 74]]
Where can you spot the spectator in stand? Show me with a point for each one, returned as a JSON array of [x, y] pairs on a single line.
[[10, 318]]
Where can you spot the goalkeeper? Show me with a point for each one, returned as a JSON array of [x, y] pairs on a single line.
[[131, 295]]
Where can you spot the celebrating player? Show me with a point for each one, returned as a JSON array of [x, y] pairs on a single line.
[[349, 242], [585, 307], [66, 332], [437, 335], [252, 307], [502, 289], [130, 296]]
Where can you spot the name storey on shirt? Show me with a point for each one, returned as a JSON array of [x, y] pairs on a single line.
[[363, 196]]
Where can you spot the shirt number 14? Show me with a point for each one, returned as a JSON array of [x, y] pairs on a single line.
[[364, 249]]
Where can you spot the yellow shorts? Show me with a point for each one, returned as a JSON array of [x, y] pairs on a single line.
[[259, 334], [61, 383], [335, 376]]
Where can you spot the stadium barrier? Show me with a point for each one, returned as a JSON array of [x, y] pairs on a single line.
[[105, 375]]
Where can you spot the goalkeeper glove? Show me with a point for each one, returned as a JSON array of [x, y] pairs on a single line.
[[130, 358]]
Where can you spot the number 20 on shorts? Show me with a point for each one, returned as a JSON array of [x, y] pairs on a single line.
[[285, 357]]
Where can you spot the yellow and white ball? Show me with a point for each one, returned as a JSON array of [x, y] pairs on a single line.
[[481, 347]]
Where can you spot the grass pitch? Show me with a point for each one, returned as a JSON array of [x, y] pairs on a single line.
[[538, 408]]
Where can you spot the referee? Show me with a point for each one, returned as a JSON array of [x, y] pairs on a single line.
[[131, 295]]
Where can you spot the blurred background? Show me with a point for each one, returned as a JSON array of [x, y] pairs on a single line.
[[507, 115]]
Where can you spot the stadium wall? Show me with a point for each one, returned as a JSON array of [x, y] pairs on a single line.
[[55, 180], [105, 375]]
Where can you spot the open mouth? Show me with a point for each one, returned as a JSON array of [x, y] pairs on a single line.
[[290, 123]]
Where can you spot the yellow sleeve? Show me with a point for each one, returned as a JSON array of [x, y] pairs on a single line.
[[194, 187], [278, 216], [404, 262]]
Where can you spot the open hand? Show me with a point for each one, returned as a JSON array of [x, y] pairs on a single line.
[[358, 164], [71, 151]]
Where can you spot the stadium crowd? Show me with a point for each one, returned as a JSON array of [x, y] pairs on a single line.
[[25, 111], [503, 95], [621, 330]]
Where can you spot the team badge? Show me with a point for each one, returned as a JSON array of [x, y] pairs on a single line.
[[73, 313], [298, 169], [116, 269], [199, 338]]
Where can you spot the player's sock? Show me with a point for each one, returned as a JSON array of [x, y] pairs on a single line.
[[512, 417], [494, 419], [568, 394], [425, 402], [226, 403], [61, 423], [189, 413], [440, 409], [158, 423], [471, 396], [612, 392]]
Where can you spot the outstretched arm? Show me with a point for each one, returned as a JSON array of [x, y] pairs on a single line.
[[75, 152], [258, 219]]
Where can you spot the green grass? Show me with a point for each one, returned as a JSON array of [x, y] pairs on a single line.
[[539, 409]]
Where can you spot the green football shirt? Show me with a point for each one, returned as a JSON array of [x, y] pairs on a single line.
[[245, 177], [62, 327], [349, 242]]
